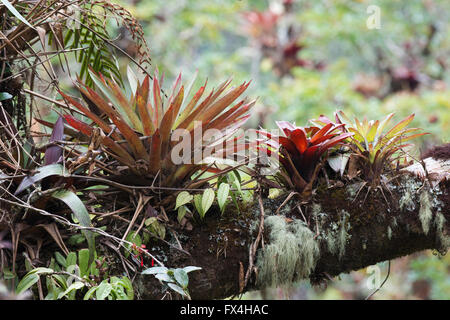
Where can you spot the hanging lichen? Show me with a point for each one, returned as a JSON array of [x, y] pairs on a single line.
[[425, 213], [444, 239], [336, 235], [389, 232], [291, 254], [409, 190]]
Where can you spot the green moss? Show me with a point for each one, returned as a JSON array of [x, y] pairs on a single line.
[[290, 255]]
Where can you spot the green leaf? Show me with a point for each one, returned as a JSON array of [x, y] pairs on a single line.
[[60, 259], [181, 213], [82, 215], [74, 286], [132, 79], [155, 270], [134, 238], [181, 277], [164, 277], [191, 268], [43, 172], [5, 96], [8, 275], [155, 227], [198, 204], [31, 278], [103, 290], [207, 199], [61, 281], [89, 293], [75, 204], [41, 270], [177, 289], [71, 259], [235, 179], [83, 261], [27, 281], [222, 195], [128, 287], [73, 269], [15, 12], [183, 198]]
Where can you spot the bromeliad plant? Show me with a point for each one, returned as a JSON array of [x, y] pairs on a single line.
[[301, 149], [372, 144], [137, 131]]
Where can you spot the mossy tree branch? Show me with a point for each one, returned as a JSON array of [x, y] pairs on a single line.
[[350, 234]]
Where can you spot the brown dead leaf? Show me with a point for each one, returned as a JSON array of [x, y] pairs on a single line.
[[352, 167], [241, 277]]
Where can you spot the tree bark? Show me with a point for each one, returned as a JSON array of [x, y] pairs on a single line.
[[381, 226]]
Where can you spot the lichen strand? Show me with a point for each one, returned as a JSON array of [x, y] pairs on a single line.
[[441, 232], [409, 194], [337, 234], [425, 212], [291, 254], [431, 209]]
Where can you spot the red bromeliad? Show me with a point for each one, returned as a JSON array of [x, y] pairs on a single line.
[[140, 253], [301, 148]]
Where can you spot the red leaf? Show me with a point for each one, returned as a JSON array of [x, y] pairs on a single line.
[[298, 136], [321, 133], [54, 152]]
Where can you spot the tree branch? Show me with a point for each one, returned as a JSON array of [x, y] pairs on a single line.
[[410, 216]]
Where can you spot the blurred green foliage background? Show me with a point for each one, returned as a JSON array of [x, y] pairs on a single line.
[[352, 64]]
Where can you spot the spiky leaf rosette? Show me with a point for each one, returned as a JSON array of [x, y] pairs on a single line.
[[138, 129], [300, 150], [372, 142]]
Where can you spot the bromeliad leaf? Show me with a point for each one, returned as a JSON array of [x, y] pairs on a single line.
[[79, 210], [145, 122], [53, 154], [300, 150], [16, 13], [43, 172]]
